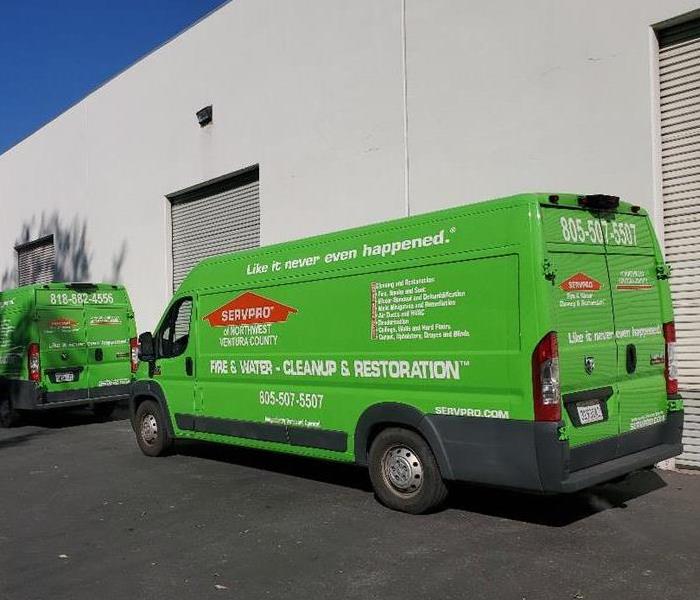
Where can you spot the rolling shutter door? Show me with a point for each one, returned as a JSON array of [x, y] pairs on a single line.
[[206, 225], [36, 261], [679, 72]]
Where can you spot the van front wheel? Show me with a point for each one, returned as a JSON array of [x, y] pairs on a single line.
[[404, 472], [151, 432]]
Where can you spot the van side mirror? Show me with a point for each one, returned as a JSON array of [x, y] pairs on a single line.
[[147, 350]]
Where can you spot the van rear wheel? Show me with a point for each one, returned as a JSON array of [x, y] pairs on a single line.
[[151, 431], [404, 472], [9, 417]]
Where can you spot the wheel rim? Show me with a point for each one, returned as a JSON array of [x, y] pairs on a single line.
[[149, 429], [402, 470]]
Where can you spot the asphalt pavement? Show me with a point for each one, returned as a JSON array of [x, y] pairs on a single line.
[[83, 514]]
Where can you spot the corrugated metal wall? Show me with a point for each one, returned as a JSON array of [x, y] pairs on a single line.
[[214, 222], [679, 71], [36, 261]]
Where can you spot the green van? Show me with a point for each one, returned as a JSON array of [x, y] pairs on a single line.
[[65, 344], [525, 342]]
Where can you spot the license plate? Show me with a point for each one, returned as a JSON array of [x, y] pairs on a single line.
[[65, 377], [589, 413]]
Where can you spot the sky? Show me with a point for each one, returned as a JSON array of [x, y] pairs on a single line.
[[54, 52]]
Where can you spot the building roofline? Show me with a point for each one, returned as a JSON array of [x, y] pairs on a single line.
[[113, 77]]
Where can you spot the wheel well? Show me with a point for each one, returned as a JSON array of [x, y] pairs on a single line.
[[377, 428], [139, 400], [150, 390], [391, 414]]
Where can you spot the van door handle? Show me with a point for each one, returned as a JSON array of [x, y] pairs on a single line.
[[189, 366], [631, 358], [99, 355]]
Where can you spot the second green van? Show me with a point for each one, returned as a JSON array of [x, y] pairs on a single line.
[[65, 344], [525, 342]]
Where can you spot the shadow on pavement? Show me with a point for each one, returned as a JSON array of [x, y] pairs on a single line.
[[556, 510], [551, 511], [334, 473], [18, 440], [59, 418]]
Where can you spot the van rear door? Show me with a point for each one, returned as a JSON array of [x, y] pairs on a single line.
[[606, 306], [582, 310], [61, 342], [637, 306], [108, 331]]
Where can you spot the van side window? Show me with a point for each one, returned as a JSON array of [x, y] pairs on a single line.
[[175, 332]]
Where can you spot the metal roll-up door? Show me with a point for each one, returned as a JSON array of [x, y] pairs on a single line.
[[214, 221], [36, 261], [679, 73]]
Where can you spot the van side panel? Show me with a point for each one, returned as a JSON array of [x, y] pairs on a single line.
[[293, 365], [17, 326], [344, 344]]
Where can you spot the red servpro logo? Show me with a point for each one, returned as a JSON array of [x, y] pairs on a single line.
[[248, 309], [62, 323], [580, 283]]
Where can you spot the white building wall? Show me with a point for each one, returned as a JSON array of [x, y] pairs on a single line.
[[502, 96], [544, 95]]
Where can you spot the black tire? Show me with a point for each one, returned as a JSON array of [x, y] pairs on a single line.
[[9, 417], [103, 410], [404, 472], [151, 431]]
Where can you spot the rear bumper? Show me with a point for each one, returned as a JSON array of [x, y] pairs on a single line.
[[585, 466], [529, 456], [27, 395]]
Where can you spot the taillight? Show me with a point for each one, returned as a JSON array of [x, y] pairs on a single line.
[[545, 379], [671, 369], [134, 346], [33, 362]]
